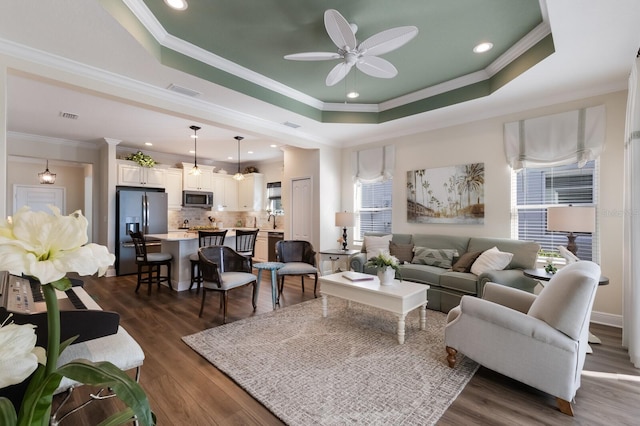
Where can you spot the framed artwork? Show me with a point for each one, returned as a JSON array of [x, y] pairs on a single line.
[[453, 194]]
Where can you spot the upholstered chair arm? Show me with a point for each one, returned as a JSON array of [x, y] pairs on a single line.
[[509, 277], [358, 261], [510, 297], [495, 315]]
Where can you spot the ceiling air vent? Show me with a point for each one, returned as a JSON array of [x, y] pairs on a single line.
[[290, 124], [69, 115], [183, 90]]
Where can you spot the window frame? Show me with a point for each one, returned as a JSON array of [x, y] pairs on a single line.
[[358, 209]]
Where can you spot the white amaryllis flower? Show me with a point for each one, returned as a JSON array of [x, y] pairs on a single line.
[[48, 246], [19, 356]]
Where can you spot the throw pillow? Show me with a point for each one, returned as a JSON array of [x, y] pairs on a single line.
[[403, 252], [466, 260], [442, 258], [491, 260], [565, 300], [376, 245]]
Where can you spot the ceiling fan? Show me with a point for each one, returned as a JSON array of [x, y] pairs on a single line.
[[364, 55]]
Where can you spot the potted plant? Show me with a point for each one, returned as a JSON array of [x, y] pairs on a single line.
[[387, 267], [143, 160]]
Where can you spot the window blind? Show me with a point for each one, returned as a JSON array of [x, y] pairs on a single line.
[[373, 207]]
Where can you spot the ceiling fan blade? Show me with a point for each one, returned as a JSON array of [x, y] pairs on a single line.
[[387, 40], [338, 72], [313, 56], [377, 67], [339, 30]]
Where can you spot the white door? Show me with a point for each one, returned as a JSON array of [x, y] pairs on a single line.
[[301, 209], [39, 197]]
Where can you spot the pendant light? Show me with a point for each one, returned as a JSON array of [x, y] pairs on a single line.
[[195, 171], [47, 177], [238, 175]]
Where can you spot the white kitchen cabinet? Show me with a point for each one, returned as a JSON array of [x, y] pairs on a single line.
[[201, 182], [131, 174], [251, 192], [261, 251], [174, 188], [225, 192]]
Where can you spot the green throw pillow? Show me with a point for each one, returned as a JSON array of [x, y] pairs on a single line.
[[441, 258]]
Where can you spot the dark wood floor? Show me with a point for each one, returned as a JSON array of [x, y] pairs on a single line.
[[183, 388]]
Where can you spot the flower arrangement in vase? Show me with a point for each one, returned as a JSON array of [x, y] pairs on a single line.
[[387, 267], [46, 247]]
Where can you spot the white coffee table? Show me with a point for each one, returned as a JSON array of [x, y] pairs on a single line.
[[400, 298]]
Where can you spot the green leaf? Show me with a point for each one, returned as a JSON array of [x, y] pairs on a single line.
[[105, 374], [63, 284], [8, 416]]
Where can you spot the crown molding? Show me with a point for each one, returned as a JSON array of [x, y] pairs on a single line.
[[28, 137]]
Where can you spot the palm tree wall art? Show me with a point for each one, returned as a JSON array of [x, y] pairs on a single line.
[[453, 194]]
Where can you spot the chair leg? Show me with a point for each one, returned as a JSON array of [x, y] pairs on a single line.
[[451, 356], [158, 271], [169, 275], [565, 406], [204, 292], [149, 279], [254, 299], [225, 297], [302, 281], [194, 265], [315, 285], [139, 278]]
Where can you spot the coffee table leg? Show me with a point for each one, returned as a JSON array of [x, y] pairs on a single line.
[[274, 289], [324, 305], [401, 328], [423, 317]]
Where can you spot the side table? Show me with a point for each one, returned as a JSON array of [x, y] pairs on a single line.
[[541, 275], [336, 255], [273, 267]]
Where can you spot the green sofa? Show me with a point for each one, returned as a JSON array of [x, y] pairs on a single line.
[[447, 286]]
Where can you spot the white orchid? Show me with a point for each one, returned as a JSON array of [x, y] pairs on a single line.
[[19, 355], [48, 246]]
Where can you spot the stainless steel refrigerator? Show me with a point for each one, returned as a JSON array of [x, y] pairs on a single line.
[[144, 210]]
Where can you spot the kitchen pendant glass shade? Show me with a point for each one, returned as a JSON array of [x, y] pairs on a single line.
[[238, 175], [47, 177], [195, 171]]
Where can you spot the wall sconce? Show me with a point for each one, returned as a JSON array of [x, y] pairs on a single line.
[[571, 219], [47, 177], [344, 219]]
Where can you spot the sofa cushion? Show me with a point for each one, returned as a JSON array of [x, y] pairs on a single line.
[[491, 260], [376, 245], [566, 299], [460, 281], [403, 252], [442, 258], [463, 264], [437, 241], [525, 253], [421, 273]]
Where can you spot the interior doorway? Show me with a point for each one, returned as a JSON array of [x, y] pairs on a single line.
[[39, 198]]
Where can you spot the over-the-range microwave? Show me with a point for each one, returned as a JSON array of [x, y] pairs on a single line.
[[201, 199]]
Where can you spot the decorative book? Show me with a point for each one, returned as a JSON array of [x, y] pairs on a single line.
[[357, 276]]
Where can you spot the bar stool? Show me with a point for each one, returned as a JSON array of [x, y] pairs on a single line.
[[205, 239], [246, 243], [152, 262]]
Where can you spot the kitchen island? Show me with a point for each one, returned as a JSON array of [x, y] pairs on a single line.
[[181, 245]]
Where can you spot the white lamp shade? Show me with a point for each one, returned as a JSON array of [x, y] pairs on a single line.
[[571, 219], [345, 219]]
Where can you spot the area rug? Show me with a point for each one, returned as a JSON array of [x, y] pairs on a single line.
[[347, 368]]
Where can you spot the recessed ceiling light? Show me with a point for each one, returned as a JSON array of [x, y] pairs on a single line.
[[353, 95], [483, 47], [177, 4], [191, 151], [273, 145], [148, 144], [229, 158], [249, 152]]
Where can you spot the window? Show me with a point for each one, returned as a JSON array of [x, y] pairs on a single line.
[[535, 189], [373, 207]]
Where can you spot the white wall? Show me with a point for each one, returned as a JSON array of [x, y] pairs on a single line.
[[482, 141]]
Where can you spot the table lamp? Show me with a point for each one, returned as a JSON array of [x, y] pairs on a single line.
[[344, 219], [571, 219]]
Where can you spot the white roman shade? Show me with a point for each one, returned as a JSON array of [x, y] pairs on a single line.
[[554, 140], [374, 164]]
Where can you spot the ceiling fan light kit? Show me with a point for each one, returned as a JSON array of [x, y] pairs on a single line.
[[364, 55]]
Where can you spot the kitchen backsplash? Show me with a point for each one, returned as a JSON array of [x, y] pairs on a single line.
[[200, 217]]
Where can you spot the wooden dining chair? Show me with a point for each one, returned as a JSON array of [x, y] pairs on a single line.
[[205, 238], [150, 263], [246, 243]]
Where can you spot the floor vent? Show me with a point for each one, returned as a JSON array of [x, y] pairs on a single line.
[[183, 90], [69, 115]]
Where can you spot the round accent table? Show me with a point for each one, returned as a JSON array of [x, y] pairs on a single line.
[[273, 267]]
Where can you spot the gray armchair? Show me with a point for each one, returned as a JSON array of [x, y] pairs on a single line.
[[223, 269], [539, 340]]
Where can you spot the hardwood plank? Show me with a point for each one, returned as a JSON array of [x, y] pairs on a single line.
[[183, 388]]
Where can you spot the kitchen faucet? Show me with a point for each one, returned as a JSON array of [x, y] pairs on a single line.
[[274, 219]]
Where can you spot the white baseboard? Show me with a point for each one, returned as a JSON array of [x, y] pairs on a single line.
[[606, 319]]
